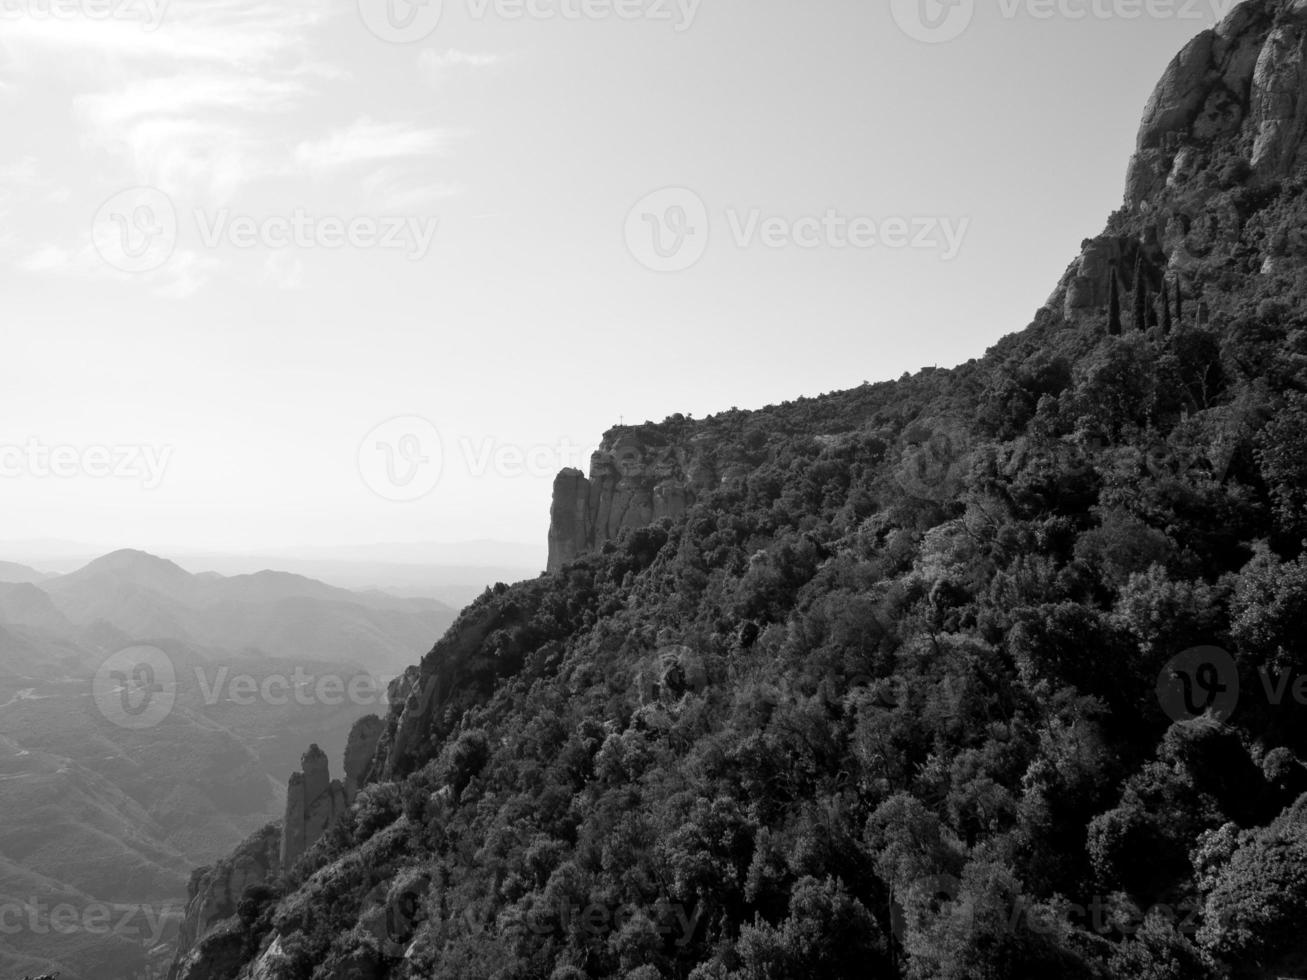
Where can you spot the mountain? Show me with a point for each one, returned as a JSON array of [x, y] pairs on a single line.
[[986, 672], [13, 573], [289, 616], [102, 813]]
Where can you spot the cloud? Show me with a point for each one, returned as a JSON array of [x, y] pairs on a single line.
[[394, 191], [184, 274], [49, 258], [434, 65], [227, 102], [368, 142]]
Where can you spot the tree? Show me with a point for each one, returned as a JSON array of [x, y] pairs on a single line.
[[1250, 913], [828, 934], [1141, 296], [1166, 310], [1179, 302], [1114, 306]]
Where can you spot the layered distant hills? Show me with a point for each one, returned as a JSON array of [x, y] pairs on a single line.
[[105, 808]]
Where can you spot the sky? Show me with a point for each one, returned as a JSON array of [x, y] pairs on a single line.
[[344, 272]]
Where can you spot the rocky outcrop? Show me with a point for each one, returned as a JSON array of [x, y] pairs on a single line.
[[213, 892], [1242, 85], [462, 661], [1230, 110], [314, 801], [359, 752], [637, 476]]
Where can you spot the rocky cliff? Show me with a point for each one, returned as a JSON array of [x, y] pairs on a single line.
[[314, 801], [1224, 126], [213, 894], [1226, 122], [639, 475]]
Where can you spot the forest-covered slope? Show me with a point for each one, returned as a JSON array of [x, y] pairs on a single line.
[[983, 673]]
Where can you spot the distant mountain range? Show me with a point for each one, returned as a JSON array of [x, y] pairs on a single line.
[[12, 572], [96, 812], [453, 573]]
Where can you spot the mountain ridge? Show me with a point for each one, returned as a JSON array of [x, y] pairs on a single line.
[[876, 683]]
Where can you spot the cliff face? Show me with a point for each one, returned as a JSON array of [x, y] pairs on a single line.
[[1228, 119], [639, 475], [1228, 116], [214, 891], [314, 802]]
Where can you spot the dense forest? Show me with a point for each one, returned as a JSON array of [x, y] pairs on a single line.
[[982, 673]]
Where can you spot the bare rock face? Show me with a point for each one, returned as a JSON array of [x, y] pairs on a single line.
[[1230, 110], [1242, 86], [217, 957], [636, 479], [359, 751], [314, 801], [214, 892], [461, 658]]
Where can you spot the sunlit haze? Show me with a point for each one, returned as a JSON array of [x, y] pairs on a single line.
[[237, 383]]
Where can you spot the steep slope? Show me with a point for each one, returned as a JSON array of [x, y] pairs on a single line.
[[972, 674]]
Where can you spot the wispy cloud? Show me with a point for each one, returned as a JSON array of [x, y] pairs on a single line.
[[435, 65], [49, 258], [369, 142], [394, 190], [227, 101]]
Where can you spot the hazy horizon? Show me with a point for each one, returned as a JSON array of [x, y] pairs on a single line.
[[262, 387]]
